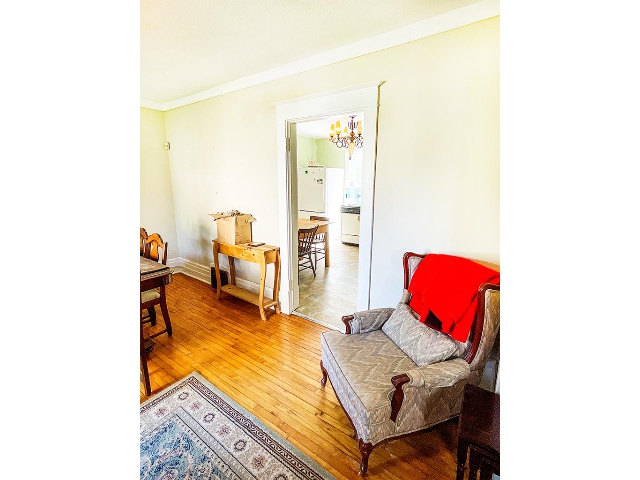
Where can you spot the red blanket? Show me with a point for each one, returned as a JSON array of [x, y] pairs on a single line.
[[447, 286]]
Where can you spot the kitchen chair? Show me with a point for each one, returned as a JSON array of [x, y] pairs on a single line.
[[318, 241], [394, 376], [305, 239], [155, 249], [143, 240]]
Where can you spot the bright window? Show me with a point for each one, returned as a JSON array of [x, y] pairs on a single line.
[[353, 177]]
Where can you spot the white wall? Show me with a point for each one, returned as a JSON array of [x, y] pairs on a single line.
[[437, 184], [156, 197]]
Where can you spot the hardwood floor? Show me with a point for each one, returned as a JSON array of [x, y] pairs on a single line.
[[272, 369]]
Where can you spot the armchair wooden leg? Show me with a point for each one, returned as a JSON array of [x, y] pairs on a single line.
[[365, 451], [323, 382]]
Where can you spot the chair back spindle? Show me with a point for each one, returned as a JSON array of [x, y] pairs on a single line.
[[305, 243], [305, 240], [143, 240]]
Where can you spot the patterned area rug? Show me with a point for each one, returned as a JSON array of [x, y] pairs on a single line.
[[192, 430]]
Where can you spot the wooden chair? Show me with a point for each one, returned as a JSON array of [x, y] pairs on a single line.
[[143, 240], [317, 244], [155, 249], [305, 239]]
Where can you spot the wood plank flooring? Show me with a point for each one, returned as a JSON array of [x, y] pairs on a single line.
[[272, 369]]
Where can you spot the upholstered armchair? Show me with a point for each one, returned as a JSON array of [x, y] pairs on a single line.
[[383, 391]]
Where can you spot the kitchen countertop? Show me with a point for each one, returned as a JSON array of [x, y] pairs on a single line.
[[350, 209]]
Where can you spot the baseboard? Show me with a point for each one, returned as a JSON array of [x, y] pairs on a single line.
[[192, 269], [203, 273], [332, 327]]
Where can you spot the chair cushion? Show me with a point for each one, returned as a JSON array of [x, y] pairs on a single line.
[[360, 368], [149, 295], [421, 343]]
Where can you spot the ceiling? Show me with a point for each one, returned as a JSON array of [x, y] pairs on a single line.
[[189, 46]]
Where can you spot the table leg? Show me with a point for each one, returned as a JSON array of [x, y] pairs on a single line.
[[488, 468], [263, 278], [276, 281], [463, 446], [216, 249], [475, 458], [232, 270], [326, 248]]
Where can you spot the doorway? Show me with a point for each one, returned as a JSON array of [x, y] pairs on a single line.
[[329, 190], [364, 100]]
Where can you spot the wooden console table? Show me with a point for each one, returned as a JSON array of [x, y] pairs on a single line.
[[262, 255]]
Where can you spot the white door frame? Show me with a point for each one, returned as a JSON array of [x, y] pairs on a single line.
[[359, 98]]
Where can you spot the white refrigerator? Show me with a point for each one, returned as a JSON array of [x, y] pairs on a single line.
[[320, 191]]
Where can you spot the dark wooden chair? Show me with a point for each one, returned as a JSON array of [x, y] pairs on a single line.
[[305, 239], [155, 249], [317, 245], [143, 240]]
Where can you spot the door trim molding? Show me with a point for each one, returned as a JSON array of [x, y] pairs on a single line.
[[358, 98]]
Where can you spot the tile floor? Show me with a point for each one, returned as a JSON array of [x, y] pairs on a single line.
[[333, 292]]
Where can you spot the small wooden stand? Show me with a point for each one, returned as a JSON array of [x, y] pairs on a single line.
[[479, 434], [262, 255]]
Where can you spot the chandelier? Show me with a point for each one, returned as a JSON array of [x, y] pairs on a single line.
[[348, 138]]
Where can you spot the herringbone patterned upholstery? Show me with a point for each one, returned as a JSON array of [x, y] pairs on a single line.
[[361, 365], [369, 320], [360, 368], [421, 343], [489, 332]]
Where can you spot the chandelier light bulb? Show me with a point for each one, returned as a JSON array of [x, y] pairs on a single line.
[[350, 139]]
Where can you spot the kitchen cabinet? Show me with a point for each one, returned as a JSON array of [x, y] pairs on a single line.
[[350, 224]]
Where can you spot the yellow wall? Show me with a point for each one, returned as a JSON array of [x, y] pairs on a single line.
[[156, 198], [437, 178]]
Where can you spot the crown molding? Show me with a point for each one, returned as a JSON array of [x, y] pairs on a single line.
[[152, 105], [460, 17]]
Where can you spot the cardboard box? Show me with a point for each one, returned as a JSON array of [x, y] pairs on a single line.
[[233, 228]]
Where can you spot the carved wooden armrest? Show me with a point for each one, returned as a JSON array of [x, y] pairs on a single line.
[[367, 320], [436, 375]]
